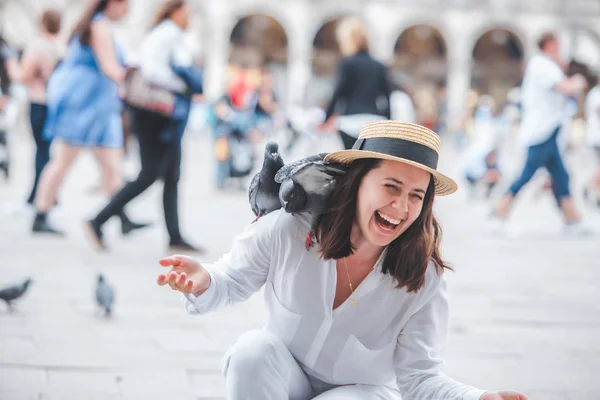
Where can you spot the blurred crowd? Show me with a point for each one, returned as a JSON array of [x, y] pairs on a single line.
[[83, 95]]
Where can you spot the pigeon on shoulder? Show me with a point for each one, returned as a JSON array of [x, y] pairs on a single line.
[[264, 190], [307, 184]]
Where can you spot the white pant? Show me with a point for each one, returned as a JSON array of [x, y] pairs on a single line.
[[260, 367]]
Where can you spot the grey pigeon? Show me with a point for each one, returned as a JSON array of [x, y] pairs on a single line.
[[12, 293], [306, 184], [264, 190], [105, 295]]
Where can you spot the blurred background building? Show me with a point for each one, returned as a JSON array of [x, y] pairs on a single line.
[[438, 50]]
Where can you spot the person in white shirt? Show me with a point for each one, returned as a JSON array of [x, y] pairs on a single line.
[[545, 95], [592, 118], [159, 136], [360, 312], [401, 106]]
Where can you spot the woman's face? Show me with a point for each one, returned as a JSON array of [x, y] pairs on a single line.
[[390, 199], [117, 9], [181, 17]]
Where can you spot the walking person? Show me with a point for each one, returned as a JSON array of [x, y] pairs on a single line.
[[8, 105], [362, 85], [159, 136], [592, 118], [84, 109], [37, 64], [363, 314], [545, 96]]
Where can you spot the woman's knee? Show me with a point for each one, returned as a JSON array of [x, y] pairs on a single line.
[[251, 351], [359, 392]]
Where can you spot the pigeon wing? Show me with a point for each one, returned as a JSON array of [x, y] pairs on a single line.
[[316, 176], [252, 193], [290, 169]]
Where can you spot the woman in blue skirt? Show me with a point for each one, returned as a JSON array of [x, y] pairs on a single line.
[[84, 108]]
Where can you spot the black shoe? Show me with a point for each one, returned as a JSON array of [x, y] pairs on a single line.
[[41, 225], [181, 246], [94, 233], [129, 226]]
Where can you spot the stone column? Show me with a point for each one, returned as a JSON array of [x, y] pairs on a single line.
[[299, 54], [459, 77], [220, 23], [299, 68]]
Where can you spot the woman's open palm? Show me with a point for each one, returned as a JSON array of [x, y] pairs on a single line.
[[186, 275], [504, 395]]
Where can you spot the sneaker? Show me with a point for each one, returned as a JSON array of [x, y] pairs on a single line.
[[577, 229], [181, 246], [495, 224], [128, 226], [41, 225], [94, 233]]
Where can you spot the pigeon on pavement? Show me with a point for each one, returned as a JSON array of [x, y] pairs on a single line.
[[264, 190], [105, 295], [11, 293]]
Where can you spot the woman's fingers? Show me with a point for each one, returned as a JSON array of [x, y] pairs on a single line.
[[173, 261], [189, 286], [180, 284], [162, 279], [177, 281], [176, 278], [173, 280], [178, 262]]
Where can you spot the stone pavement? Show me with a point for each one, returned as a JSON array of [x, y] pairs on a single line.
[[525, 306]]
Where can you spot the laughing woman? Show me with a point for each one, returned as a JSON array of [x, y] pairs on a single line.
[[362, 315]]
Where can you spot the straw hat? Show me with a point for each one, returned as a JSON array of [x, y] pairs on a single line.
[[399, 141]]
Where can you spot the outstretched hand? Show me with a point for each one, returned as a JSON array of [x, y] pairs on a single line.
[[186, 275], [504, 395]]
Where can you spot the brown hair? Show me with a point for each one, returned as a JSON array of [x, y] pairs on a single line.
[[83, 27], [545, 39], [407, 256], [51, 20], [352, 31], [165, 11]]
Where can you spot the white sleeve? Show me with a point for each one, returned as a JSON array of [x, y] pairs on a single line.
[[419, 355], [157, 51], [547, 74], [241, 272]]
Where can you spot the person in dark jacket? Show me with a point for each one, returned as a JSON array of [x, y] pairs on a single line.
[[362, 87]]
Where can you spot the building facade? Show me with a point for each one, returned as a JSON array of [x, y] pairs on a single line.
[[459, 43]]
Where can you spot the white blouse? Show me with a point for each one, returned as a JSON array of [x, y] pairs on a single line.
[[164, 46], [389, 337]]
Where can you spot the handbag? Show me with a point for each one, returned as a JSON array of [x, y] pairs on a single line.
[[140, 93]]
